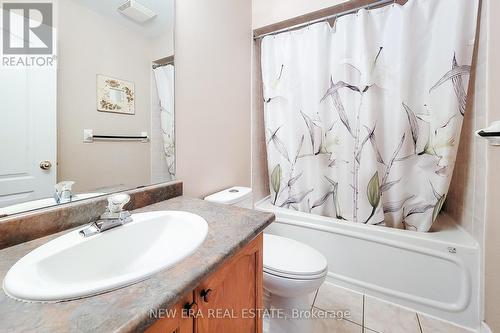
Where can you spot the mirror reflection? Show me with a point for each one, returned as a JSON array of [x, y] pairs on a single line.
[[91, 111]]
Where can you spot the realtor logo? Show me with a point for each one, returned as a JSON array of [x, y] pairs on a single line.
[[27, 28]]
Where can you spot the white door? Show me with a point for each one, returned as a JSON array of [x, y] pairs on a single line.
[[27, 133]]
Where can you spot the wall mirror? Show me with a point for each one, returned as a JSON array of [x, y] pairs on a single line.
[[87, 100]]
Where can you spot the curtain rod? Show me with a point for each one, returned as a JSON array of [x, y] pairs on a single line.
[[155, 66], [337, 15]]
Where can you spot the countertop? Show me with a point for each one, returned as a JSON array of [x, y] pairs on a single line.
[[128, 309]]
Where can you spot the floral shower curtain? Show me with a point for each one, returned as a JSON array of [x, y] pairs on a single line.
[[164, 77], [363, 119]]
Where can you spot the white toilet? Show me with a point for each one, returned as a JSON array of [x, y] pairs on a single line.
[[292, 271], [236, 196]]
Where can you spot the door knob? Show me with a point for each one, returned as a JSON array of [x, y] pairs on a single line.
[[45, 165], [205, 293]]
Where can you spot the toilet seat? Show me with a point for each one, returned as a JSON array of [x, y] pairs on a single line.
[[294, 276], [290, 259]]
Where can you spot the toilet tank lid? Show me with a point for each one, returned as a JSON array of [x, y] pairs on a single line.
[[231, 195]]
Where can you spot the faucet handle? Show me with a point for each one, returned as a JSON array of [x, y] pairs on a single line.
[[116, 202], [64, 186], [63, 191]]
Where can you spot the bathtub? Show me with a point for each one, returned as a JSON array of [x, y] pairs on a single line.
[[436, 273]]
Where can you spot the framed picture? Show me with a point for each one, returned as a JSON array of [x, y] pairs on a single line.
[[115, 95]]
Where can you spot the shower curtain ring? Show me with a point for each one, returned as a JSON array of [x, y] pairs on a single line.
[[335, 20]]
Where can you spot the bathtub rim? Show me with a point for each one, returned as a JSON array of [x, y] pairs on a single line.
[[432, 244], [445, 230]]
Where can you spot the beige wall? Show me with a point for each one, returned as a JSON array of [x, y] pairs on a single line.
[[266, 12], [260, 175], [90, 43], [213, 52], [466, 198], [474, 192]]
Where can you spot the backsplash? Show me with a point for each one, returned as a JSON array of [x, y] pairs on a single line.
[[24, 227]]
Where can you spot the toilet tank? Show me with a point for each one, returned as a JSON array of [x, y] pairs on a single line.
[[236, 196]]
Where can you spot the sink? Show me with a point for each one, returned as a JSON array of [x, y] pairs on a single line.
[[72, 266]]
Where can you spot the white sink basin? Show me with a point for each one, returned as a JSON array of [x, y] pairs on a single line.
[[72, 266]]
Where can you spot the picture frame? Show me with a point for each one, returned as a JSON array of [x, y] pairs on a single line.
[[115, 95]]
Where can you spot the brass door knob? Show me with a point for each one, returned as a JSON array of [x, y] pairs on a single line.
[[45, 165]]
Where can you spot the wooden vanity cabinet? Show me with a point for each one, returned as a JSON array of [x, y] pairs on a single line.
[[228, 301], [175, 323]]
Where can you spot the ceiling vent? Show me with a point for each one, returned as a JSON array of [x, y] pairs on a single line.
[[135, 11]]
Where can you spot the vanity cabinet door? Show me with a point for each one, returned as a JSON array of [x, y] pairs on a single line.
[[175, 322], [228, 300]]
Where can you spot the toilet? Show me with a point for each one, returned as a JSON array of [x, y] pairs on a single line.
[[292, 272], [237, 196]]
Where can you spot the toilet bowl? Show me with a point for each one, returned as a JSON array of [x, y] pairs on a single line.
[[292, 271]]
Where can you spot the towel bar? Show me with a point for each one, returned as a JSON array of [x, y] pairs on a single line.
[[89, 137]]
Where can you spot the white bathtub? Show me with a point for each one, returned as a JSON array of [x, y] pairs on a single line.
[[435, 273]]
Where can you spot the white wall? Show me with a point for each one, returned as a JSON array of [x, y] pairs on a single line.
[[163, 46], [212, 60], [266, 12]]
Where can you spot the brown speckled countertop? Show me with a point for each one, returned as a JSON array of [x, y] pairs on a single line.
[[128, 309]]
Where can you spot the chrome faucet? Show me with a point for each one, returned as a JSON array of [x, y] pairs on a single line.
[[114, 216], [63, 192]]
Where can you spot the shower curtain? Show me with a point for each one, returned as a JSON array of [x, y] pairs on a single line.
[[363, 119], [164, 77]]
